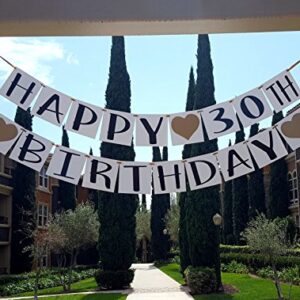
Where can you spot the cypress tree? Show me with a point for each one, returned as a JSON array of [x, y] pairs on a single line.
[[67, 196], [159, 208], [183, 239], [23, 206], [117, 239], [256, 186], [240, 202], [227, 213], [144, 204], [279, 202], [203, 204]]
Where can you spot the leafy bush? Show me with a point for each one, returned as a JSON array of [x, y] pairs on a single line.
[[17, 284], [258, 261], [201, 280], [235, 267], [265, 273], [112, 280], [291, 275]]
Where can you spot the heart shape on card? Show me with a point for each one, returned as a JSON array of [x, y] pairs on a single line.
[[186, 126], [7, 131], [291, 129]]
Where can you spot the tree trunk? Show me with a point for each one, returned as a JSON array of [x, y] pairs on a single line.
[[36, 285], [277, 283]]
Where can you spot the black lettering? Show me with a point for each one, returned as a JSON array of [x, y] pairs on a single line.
[[95, 172], [231, 154], [15, 83], [46, 107], [152, 133], [136, 176], [268, 149], [25, 149], [196, 174], [162, 177], [227, 122], [79, 116], [112, 126], [259, 104], [66, 164]]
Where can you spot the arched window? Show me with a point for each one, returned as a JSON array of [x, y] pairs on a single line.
[[293, 187]]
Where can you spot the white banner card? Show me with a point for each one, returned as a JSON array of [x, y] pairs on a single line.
[[203, 171], [151, 130], [252, 107], [117, 127], [66, 164], [84, 118], [186, 128], [20, 88], [235, 161], [282, 90], [169, 177], [9, 133], [219, 120], [266, 147], [31, 150], [100, 174], [289, 129], [52, 106], [135, 178]]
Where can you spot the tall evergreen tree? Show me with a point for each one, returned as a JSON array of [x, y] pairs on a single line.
[[117, 239], [203, 204], [159, 208], [227, 213], [144, 203], [240, 202], [183, 239], [279, 202], [256, 187], [23, 206], [66, 191]]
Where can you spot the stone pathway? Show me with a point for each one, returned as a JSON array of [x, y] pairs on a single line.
[[150, 283]]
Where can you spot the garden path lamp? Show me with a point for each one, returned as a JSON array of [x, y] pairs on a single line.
[[217, 219]]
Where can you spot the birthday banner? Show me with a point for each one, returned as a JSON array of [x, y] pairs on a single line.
[[145, 129], [132, 177]]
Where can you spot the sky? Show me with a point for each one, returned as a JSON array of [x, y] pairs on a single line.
[[158, 67]]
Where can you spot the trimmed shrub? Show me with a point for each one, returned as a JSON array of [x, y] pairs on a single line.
[[258, 261], [201, 280], [235, 267], [114, 280]]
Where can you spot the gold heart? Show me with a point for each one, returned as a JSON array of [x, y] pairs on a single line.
[[185, 127], [291, 129], [7, 131]]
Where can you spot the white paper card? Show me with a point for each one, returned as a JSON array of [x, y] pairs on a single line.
[[252, 107], [186, 128], [100, 174], [151, 130], [20, 88], [135, 178], [235, 161], [66, 164], [282, 90], [117, 127], [220, 119], [52, 106], [84, 118], [31, 150], [289, 129], [9, 133], [169, 177], [266, 147], [203, 171]]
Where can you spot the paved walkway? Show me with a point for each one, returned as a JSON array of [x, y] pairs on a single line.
[[150, 283]]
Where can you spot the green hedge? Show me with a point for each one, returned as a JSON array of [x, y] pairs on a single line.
[[246, 250], [17, 284], [114, 280], [258, 261]]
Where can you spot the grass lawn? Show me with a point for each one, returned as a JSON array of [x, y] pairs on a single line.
[[249, 288], [88, 297], [80, 286]]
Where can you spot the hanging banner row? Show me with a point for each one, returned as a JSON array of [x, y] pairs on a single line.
[[150, 130], [132, 177]]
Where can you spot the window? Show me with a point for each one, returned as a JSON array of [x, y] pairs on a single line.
[[44, 261], [293, 187], [42, 214], [43, 178]]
